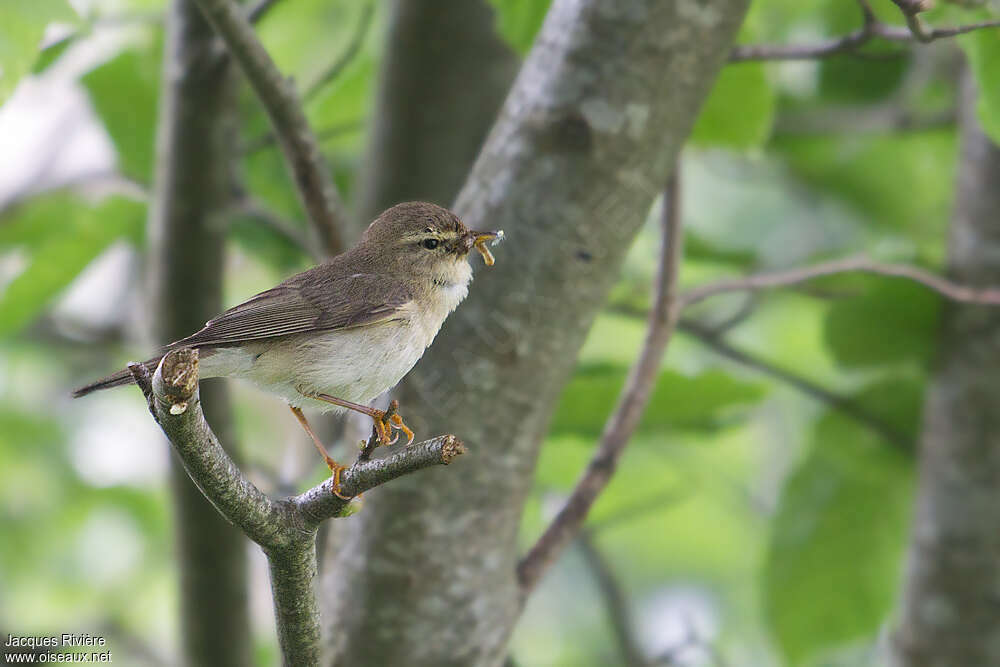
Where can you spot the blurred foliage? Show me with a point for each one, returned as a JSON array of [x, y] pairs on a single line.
[[717, 125], [983, 51], [894, 321], [776, 520], [59, 236], [704, 401], [837, 540], [129, 119], [24, 23], [867, 172], [518, 21]]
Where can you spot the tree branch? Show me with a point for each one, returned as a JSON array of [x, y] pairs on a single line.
[[634, 398], [858, 119], [770, 280], [246, 204], [319, 503], [843, 404], [175, 403], [286, 528], [848, 43], [853, 41], [301, 149]]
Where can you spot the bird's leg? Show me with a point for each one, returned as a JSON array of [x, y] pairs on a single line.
[[384, 420], [335, 467]]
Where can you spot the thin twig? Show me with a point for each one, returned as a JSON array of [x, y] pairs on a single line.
[[315, 188], [319, 503], [251, 207], [911, 10], [843, 404], [323, 134], [635, 396], [943, 286], [853, 41], [616, 603], [712, 337], [331, 73], [857, 120], [895, 34], [812, 51], [368, 448]]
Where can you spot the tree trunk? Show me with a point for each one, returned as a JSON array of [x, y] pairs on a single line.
[[949, 611], [187, 235], [444, 75], [583, 145]]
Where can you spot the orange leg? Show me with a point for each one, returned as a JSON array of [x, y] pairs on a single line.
[[383, 420], [335, 467]]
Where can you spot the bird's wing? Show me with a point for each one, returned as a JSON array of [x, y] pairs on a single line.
[[306, 303]]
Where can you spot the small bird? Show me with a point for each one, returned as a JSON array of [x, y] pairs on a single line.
[[342, 333]]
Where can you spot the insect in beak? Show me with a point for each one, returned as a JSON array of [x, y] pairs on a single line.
[[478, 240]]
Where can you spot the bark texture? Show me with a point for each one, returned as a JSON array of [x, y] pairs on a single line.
[[585, 139], [194, 144], [950, 609], [444, 75]]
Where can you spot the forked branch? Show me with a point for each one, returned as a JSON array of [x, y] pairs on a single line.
[[871, 29], [285, 528]]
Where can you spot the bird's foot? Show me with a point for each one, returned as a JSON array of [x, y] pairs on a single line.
[[385, 421], [337, 469]]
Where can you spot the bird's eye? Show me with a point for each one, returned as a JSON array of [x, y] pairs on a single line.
[[430, 244]]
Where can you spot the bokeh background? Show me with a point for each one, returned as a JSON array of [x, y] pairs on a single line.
[[754, 520]]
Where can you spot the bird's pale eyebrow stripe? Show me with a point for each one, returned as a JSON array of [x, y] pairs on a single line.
[[437, 233]]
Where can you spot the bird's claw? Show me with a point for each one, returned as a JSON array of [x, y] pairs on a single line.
[[388, 421], [337, 470], [397, 423]]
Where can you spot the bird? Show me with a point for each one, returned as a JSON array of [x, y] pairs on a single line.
[[344, 332]]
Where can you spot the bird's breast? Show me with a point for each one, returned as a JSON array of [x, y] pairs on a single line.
[[356, 364]]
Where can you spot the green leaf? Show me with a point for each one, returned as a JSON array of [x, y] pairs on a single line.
[[24, 23], [51, 53], [66, 234], [896, 321], [832, 566], [518, 21], [739, 111], [699, 248], [679, 401], [982, 47], [867, 171], [124, 92], [861, 80]]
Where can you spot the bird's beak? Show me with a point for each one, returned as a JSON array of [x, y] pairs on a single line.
[[478, 240]]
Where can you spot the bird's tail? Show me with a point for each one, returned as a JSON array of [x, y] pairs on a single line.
[[121, 378]]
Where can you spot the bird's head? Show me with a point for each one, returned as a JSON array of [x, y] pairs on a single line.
[[425, 238]]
